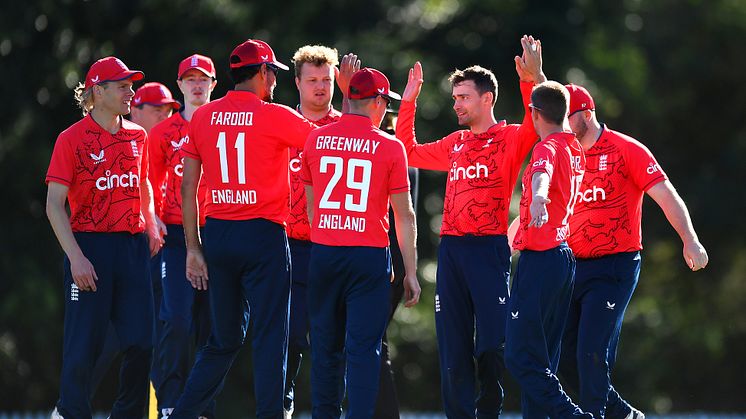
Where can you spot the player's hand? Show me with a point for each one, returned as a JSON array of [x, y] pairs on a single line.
[[414, 83], [695, 255], [411, 290], [538, 211], [196, 269], [349, 65], [162, 229], [529, 64], [83, 273], [155, 240]]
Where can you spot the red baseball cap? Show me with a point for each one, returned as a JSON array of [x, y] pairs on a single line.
[[154, 94], [254, 52], [369, 82], [110, 69], [197, 62], [580, 99]]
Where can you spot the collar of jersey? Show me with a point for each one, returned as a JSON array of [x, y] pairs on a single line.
[[490, 132]]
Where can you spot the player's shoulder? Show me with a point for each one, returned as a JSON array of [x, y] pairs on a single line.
[[280, 110], [74, 131], [132, 128], [625, 141]]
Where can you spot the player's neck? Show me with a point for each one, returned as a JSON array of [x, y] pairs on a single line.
[[545, 130], [188, 111], [314, 113], [591, 135], [109, 121], [483, 124]]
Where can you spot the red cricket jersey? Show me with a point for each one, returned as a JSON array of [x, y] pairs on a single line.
[[104, 173], [482, 169], [297, 223], [608, 208], [243, 142], [167, 168], [353, 167], [561, 157]]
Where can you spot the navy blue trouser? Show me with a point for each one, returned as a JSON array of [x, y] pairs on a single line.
[[111, 346], [300, 252], [124, 298], [185, 319], [470, 305], [603, 289], [541, 292], [248, 264], [348, 303]]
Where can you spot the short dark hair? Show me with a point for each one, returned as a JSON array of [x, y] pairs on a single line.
[[483, 79], [241, 74], [551, 100]]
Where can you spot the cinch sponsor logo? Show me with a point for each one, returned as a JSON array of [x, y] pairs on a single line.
[[591, 195], [652, 168], [468, 172], [178, 144], [111, 181], [179, 168], [294, 163]]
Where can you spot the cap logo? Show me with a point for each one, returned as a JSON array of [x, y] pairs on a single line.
[[265, 57], [382, 90], [584, 105], [94, 80], [137, 100], [163, 91], [194, 61]]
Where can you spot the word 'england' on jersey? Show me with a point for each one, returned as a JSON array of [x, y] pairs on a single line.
[[358, 145], [243, 119], [233, 196], [340, 222]]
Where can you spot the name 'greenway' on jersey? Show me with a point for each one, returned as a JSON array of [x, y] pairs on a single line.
[[482, 169], [353, 168], [243, 143]]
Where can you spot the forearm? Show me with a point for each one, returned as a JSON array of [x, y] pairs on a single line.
[[60, 222], [406, 235], [540, 185], [146, 203], [309, 202], [190, 216], [675, 210]]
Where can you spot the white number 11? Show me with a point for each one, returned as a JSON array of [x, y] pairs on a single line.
[[240, 158]]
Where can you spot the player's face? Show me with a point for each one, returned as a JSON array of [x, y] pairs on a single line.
[[578, 124], [270, 82], [115, 97], [468, 103], [150, 115], [315, 85], [196, 87]]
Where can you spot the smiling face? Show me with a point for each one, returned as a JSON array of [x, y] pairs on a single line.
[[196, 87], [468, 104], [114, 97], [315, 86]]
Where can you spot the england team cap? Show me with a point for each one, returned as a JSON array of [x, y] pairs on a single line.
[[368, 83], [197, 62], [580, 99], [254, 52], [110, 69], [154, 94]]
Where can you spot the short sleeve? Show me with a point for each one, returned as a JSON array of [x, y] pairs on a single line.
[[542, 159], [399, 175], [62, 164], [305, 169], [189, 149], [644, 169]]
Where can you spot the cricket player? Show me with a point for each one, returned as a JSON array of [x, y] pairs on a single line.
[[606, 240], [353, 170], [241, 143], [100, 166], [482, 163], [184, 313], [543, 281], [315, 68]]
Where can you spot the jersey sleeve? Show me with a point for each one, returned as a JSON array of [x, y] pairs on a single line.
[[305, 169], [399, 174], [542, 160], [522, 137], [292, 127], [432, 156], [644, 168], [62, 164], [157, 166]]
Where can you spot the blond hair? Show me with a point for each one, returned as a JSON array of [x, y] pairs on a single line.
[[314, 54], [84, 98]]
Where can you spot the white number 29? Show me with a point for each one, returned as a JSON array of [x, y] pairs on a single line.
[[362, 185]]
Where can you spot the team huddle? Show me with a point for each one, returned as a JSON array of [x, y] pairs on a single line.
[[188, 222]]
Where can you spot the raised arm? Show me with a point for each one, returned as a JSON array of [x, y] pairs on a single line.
[[530, 72], [433, 156], [673, 206]]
